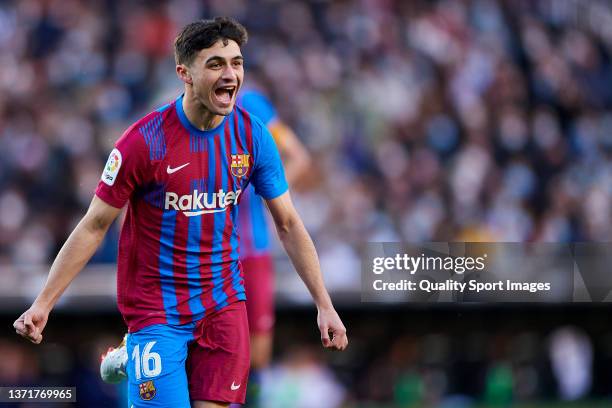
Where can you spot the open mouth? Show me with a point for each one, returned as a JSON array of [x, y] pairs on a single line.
[[224, 94]]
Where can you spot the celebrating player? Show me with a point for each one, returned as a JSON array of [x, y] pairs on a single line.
[[254, 251], [182, 170]]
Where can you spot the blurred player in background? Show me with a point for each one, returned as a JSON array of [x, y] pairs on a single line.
[[254, 238], [182, 168]]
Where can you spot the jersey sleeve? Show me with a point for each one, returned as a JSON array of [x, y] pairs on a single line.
[[268, 176], [124, 170], [260, 106]]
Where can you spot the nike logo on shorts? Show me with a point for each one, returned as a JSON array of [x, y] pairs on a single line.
[[173, 170], [235, 387]]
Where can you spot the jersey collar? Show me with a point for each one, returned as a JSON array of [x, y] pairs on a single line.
[[189, 126]]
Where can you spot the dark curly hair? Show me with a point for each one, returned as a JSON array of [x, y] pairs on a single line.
[[203, 34]]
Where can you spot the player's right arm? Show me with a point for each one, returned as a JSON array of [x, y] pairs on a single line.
[[74, 255], [122, 173]]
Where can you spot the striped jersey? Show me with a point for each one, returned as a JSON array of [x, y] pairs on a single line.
[[254, 235], [179, 245]]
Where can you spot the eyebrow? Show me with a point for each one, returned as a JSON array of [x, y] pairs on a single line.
[[219, 58]]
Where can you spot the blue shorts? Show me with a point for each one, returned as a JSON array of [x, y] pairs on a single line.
[[161, 375]]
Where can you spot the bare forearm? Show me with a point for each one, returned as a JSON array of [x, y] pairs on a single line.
[[74, 255], [303, 255]]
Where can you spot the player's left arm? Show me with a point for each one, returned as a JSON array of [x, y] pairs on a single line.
[[269, 181], [296, 158], [303, 255]]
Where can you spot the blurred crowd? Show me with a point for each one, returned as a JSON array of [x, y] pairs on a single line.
[[445, 120], [471, 120], [427, 120]]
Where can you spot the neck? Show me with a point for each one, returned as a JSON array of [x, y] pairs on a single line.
[[199, 116]]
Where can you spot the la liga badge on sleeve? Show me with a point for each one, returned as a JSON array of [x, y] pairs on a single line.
[[111, 168]]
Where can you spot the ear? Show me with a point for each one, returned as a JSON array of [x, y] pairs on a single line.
[[183, 73]]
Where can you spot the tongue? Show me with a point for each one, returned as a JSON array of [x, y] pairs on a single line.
[[223, 95]]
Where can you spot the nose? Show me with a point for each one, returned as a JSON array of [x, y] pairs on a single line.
[[228, 74]]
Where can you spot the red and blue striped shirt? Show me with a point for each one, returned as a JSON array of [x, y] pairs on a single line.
[[178, 249]]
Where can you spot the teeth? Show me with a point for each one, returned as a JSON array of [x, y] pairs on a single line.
[[229, 89]]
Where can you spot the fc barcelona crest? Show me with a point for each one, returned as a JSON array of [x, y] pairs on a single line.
[[147, 390], [240, 164]]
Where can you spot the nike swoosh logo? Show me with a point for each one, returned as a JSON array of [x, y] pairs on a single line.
[[171, 170], [235, 387]]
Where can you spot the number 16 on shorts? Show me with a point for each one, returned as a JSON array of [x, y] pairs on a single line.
[[147, 364], [156, 366]]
